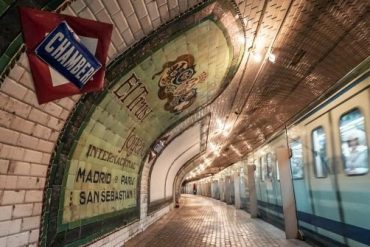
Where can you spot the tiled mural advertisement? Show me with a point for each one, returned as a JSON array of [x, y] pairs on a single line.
[[104, 167]]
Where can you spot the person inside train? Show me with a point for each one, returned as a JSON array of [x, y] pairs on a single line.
[[297, 167], [356, 157]]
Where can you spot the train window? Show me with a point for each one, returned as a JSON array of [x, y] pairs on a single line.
[[353, 142], [263, 167], [269, 166], [296, 161], [319, 152]]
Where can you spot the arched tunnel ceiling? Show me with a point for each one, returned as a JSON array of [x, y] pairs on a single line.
[[316, 44], [181, 149]]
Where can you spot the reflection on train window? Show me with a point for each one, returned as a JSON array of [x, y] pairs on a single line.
[[319, 152], [263, 167], [353, 140], [269, 166], [296, 162], [277, 170]]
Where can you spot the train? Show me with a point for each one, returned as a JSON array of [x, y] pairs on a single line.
[[329, 170]]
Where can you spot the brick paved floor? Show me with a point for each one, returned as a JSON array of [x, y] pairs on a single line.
[[202, 221]]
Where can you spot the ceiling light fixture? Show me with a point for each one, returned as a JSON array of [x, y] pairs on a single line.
[[256, 56], [241, 39], [260, 43], [222, 128], [236, 150], [219, 124], [272, 57]]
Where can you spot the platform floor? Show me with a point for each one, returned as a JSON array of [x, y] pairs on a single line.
[[202, 221]]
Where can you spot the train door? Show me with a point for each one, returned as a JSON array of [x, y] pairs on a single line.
[[275, 179], [270, 180], [351, 135], [221, 186], [232, 189], [217, 189], [227, 189], [214, 189], [257, 178], [208, 189], [277, 185], [300, 175], [262, 178], [322, 181], [243, 188]]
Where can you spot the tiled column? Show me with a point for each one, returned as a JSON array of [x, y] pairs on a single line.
[[289, 209]]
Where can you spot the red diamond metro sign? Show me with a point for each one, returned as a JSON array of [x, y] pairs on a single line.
[[49, 83]]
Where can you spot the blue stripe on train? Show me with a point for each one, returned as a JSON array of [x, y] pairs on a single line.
[[276, 208], [320, 239], [356, 233]]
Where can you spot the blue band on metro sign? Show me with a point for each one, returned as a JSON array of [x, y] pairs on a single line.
[[49, 82], [63, 51]]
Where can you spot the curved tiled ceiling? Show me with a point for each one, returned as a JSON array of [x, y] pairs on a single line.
[[177, 153], [316, 43], [176, 166]]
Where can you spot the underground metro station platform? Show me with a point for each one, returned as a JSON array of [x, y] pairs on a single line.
[[184, 123]]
